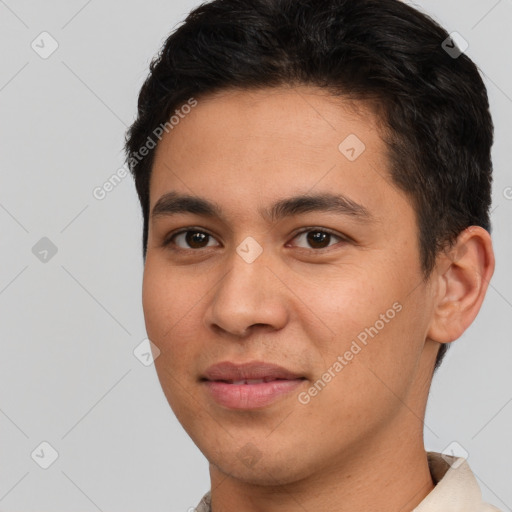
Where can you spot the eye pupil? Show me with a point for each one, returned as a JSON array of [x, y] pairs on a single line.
[[318, 237], [194, 238]]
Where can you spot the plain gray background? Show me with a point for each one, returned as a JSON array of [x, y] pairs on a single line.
[[70, 321]]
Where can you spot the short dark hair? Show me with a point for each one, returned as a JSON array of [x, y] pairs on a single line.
[[433, 104]]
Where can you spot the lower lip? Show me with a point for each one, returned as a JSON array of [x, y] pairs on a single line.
[[250, 396]]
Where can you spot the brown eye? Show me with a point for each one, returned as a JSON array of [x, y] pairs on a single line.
[[191, 239], [317, 238]]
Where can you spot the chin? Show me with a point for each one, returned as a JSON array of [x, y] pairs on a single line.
[[258, 467]]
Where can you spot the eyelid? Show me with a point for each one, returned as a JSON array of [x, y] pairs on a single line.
[[319, 228], [168, 239], [342, 237]]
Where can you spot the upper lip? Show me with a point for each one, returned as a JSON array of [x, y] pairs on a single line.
[[230, 371]]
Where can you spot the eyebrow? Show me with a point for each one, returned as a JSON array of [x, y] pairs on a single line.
[[173, 203]]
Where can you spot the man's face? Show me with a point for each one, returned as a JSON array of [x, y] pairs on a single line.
[[329, 286]]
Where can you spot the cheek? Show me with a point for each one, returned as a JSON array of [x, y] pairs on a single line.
[[154, 303], [352, 300], [168, 310], [371, 314], [168, 302], [168, 293]]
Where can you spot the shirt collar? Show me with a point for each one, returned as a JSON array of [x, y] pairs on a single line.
[[456, 487]]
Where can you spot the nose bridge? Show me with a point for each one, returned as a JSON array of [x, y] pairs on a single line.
[[248, 294]]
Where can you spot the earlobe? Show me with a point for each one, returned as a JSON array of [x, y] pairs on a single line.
[[463, 273]]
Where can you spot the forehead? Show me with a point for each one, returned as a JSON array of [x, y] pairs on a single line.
[[244, 146], [305, 120]]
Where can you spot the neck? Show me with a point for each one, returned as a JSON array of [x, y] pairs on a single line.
[[386, 476]]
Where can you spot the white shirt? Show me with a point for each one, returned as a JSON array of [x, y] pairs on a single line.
[[456, 488]]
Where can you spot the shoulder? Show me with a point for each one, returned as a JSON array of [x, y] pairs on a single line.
[[487, 507], [205, 505]]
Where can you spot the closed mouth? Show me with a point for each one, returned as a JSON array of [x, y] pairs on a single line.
[[251, 381]]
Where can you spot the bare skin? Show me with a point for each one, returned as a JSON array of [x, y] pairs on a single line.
[[356, 445]]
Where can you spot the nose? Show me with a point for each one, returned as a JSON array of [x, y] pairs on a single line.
[[248, 295]]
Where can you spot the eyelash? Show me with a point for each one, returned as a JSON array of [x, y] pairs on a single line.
[[168, 242]]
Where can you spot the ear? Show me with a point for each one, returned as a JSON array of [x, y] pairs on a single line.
[[462, 276]]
